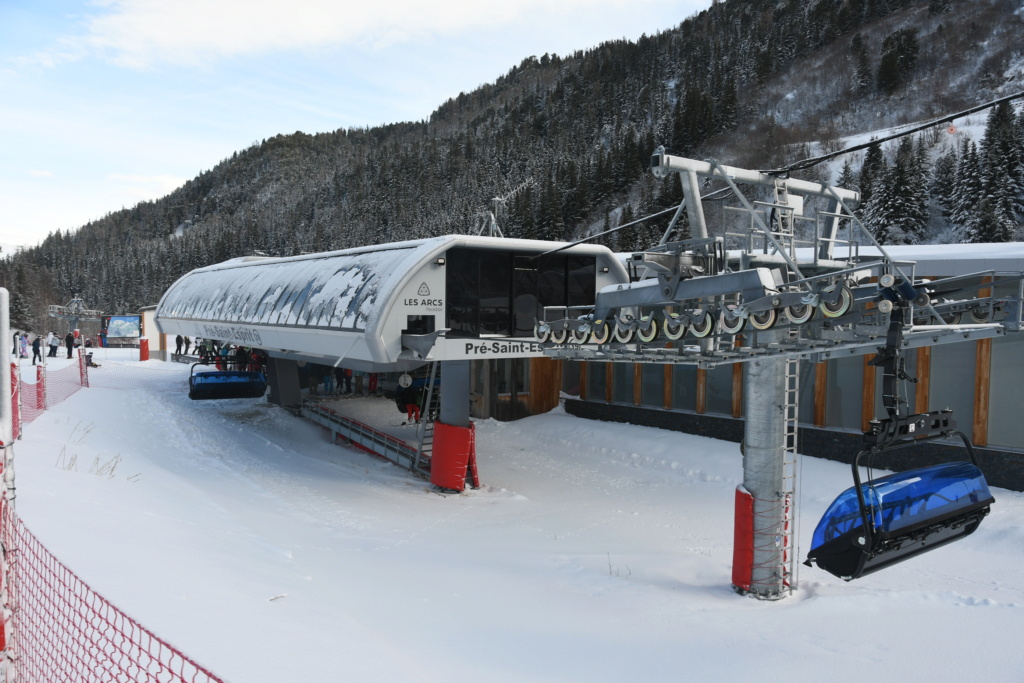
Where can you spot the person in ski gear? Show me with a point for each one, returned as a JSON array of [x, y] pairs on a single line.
[[69, 341], [37, 345], [178, 342], [54, 343]]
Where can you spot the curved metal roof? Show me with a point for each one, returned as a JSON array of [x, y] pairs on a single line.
[[332, 304]]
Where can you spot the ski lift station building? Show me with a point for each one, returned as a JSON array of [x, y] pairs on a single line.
[[475, 299], [394, 307]]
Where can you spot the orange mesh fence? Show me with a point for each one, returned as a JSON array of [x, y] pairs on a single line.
[[60, 629]]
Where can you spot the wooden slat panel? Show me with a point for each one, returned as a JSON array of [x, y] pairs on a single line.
[[820, 393], [702, 388], [545, 384], [923, 372], [667, 394], [982, 386], [583, 380]]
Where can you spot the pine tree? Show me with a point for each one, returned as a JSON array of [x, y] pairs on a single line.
[[968, 192], [943, 181], [899, 57], [1002, 173], [874, 166], [861, 64]]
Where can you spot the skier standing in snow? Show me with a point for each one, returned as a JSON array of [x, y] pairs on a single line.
[[54, 342], [37, 345], [69, 341]]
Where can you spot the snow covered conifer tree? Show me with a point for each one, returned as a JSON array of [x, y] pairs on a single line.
[[1002, 173]]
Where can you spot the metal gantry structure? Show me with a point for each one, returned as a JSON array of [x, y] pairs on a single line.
[[74, 312], [776, 285]]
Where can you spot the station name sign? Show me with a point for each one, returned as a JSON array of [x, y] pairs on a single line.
[[474, 349], [232, 334]]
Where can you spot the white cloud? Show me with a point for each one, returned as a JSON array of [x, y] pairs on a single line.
[[40, 174], [143, 33]]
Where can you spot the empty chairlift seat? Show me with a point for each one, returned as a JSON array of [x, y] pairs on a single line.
[[225, 384], [906, 514]]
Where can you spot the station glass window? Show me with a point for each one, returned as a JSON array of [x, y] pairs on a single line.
[[1006, 394], [805, 397], [684, 387], [525, 309], [652, 386], [845, 384], [596, 384], [495, 292], [462, 280], [622, 383], [719, 390], [952, 384]]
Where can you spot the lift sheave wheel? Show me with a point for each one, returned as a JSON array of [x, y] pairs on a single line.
[[648, 335], [542, 332], [600, 332], [703, 324], [841, 305], [675, 328], [623, 332], [559, 336], [800, 313], [729, 324], [763, 320], [980, 314], [579, 334]]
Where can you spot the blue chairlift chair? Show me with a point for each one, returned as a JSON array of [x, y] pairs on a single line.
[[218, 384], [876, 524]]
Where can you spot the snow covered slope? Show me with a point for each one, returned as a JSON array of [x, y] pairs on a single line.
[[594, 552]]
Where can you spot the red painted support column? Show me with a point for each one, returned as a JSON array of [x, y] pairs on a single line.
[[143, 349], [454, 457], [743, 541]]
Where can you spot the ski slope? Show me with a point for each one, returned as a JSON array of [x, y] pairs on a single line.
[[594, 552]]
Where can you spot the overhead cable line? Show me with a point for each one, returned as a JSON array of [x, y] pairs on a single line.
[[814, 161]]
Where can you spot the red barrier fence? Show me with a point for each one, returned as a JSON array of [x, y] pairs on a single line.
[[49, 388], [55, 627], [60, 629]]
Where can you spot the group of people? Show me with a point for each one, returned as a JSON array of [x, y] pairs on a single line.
[[52, 341], [184, 342], [231, 358], [329, 380]]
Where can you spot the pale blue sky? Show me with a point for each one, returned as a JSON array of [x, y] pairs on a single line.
[[106, 103]]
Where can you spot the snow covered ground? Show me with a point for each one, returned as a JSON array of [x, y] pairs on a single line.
[[593, 552]]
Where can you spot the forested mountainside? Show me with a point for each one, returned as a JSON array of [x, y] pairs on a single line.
[[752, 83]]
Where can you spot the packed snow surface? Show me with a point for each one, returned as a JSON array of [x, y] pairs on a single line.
[[593, 552]]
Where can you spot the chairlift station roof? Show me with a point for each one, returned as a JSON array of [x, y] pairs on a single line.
[[358, 304]]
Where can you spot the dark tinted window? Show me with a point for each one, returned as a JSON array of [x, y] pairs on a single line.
[[525, 309], [501, 293], [495, 292], [582, 276], [462, 275]]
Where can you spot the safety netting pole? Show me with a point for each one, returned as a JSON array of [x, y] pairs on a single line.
[[8, 384]]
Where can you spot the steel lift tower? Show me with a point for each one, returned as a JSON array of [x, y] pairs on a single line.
[[792, 275], [75, 312]]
